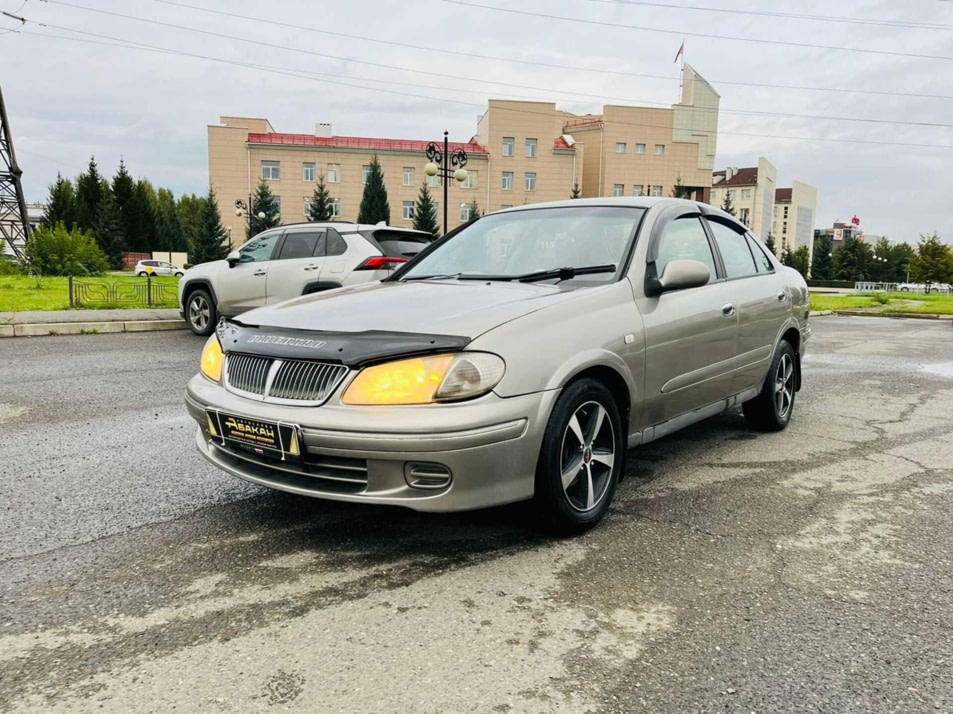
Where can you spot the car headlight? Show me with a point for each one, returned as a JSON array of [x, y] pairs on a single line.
[[424, 380], [212, 359]]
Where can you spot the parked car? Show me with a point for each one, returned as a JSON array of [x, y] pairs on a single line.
[[516, 358], [157, 267], [290, 261]]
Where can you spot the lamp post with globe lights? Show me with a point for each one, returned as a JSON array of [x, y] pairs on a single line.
[[448, 166], [242, 211]]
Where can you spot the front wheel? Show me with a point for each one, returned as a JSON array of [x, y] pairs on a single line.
[[200, 313], [771, 410], [142, 273], [581, 459]]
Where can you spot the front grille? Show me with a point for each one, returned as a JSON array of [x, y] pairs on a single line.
[[247, 372], [315, 471], [282, 381], [306, 381]]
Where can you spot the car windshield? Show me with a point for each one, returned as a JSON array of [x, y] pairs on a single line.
[[520, 243]]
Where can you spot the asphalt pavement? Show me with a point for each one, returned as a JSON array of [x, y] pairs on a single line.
[[806, 571]]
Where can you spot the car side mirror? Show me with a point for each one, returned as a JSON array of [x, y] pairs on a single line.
[[233, 258], [678, 275]]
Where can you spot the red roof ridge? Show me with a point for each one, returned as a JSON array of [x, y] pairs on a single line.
[[357, 142]]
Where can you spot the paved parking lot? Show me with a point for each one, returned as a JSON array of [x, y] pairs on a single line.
[[810, 570]]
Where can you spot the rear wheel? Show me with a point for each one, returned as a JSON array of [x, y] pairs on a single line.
[[771, 410], [582, 456], [200, 313], [142, 273]]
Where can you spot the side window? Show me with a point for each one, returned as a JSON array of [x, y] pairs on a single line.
[[299, 245], [685, 239], [259, 249], [336, 244], [733, 247], [760, 257]]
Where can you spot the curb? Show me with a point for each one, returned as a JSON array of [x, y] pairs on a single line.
[[48, 329], [820, 313], [895, 315]]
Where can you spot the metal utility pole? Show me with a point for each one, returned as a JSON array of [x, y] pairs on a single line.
[[14, 226]]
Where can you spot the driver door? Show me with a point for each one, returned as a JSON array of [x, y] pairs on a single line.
[[243, 286]]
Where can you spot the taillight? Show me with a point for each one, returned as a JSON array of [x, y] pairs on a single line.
[[381, 262]]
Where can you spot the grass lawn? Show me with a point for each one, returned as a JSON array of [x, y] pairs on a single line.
[[20, 292], [890, 303]]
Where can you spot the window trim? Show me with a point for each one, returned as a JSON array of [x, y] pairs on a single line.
[[708, 220], [526, 180], [413, 176], [527, 145], [276, 164], [305, 165], [642, 147], [503, 176], [623, 146], [337, 173], [511, 144], [404, 205]]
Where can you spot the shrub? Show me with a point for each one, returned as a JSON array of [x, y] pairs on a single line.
[[57, 251], [8, 266]]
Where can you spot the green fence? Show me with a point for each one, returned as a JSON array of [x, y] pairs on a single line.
[[123, 292]]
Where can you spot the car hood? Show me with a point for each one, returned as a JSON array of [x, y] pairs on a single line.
[[453, 307]]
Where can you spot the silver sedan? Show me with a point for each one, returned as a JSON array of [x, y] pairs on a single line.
[[517, 358]]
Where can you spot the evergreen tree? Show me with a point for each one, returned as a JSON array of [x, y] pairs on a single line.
[[933, 262], [209, 243], [576, 193], [320, 209], [190, 209], [769, 243], [800, 260], [61, 206], [263, 202], [56, 251], [901, 258], [679, 190], [123, 187], [473, 212], [90, 192], [727, 205], [425, 212], [822, 267], [139, 218], [169, 233], [374, 206], [108, 232], [852, 261]]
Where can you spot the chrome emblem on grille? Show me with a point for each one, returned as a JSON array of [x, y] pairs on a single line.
[[287, 341]]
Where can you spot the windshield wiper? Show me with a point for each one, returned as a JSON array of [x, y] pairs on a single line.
[[567, 273], [430, 277]]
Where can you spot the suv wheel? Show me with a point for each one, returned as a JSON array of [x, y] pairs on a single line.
[[581, 459], [200, 313], [771, 410]]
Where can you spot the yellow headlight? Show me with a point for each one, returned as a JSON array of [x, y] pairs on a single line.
[[212, 359], [408, 381]]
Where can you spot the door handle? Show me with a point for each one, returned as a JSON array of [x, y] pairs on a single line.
[[312, 267], [782, 296], [260, 272], [728, 309]]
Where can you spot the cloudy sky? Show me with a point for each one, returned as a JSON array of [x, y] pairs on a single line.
[[97, 94]]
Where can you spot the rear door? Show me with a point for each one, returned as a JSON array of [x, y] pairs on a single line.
[[243, 286], [691, 334], [297, 264]]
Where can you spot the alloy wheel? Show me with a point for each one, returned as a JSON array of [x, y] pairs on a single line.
[[199, 312], [587, 456], [784, 386]]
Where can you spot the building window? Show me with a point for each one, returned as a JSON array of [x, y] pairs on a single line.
[[307, 207], [308, 171], [618, 189], [335, 208], [433, 181], [367, 173], [409, 176], [465, 212], [407, 210], [731, 194], [637, 190], [271, 170], [656, 191], [714, 196], [529, 181], [743, 216], [509, 144], [785, 211], [746, 193], [507, 181], [620, 147], [472, 180], [660, 149], [775, 211], [640, 148], [334, 173], [531, 148]]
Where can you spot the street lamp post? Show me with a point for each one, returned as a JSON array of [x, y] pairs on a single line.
[[243, 210], [447, 166]]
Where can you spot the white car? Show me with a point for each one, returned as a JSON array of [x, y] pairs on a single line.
[[290, 261], [157, 267]]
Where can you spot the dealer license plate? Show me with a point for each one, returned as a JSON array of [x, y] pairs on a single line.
[[259, 437]]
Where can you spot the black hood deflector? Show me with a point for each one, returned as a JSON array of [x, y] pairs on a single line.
[[353, 349]]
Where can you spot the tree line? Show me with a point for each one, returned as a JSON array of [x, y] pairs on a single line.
[[123, 215], [930, 262]]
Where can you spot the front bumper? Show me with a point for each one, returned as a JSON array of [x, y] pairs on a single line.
[[483, 452]]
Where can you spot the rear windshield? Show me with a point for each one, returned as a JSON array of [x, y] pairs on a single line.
[[400, 244]]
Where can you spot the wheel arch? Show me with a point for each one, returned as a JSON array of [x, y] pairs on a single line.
[[608, 369], [791, 334], [198, 284]]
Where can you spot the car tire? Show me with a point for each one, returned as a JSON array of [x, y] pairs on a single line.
[[179, 274], [142, 273], [584, 431], [200, 313], [771, 410]]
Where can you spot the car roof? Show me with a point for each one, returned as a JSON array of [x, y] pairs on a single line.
[[348, 227]]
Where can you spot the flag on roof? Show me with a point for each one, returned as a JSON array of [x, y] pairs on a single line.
[[681, 51]]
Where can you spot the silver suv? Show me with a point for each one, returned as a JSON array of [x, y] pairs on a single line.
[[290, 261]]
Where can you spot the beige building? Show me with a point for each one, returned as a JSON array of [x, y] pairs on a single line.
[[522, 152], [795, 209], [752, 194]]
